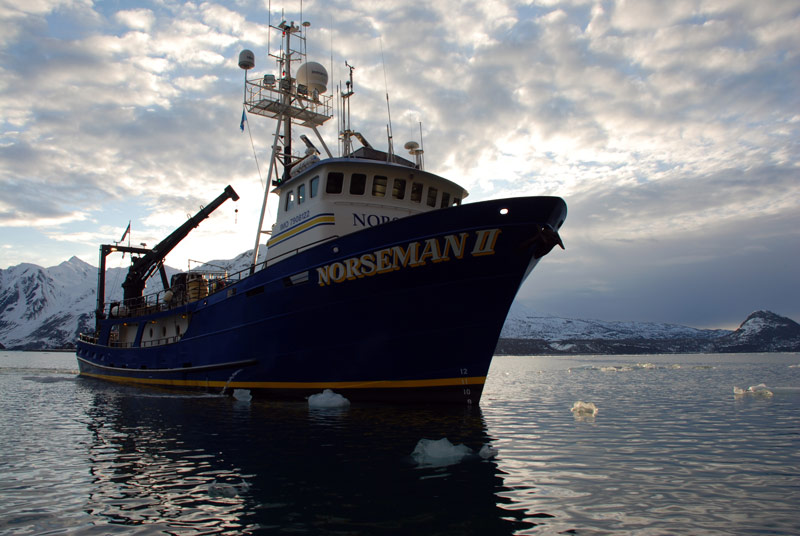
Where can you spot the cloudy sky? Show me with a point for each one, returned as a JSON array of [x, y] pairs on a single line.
[[672, 129]]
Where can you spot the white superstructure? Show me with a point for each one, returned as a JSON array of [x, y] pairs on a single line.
[[321, 199]]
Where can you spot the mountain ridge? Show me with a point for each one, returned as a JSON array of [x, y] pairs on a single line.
[[527, 333]]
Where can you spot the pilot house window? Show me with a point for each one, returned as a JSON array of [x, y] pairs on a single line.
[[399, 188], [358, 184], [334, 184], [416, 192], [289, 200], [314, 186], [301, 194], [379, 186], [432, 193]]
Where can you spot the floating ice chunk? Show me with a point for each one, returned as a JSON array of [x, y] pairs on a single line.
[[226, 489], [759, 390], [487, 452], [327, 399], [616, 368], [439, 453], [242, 395], [584, 408]]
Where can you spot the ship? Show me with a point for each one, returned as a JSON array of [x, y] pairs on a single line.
[[379, 283]]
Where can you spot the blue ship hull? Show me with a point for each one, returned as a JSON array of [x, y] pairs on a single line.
[[407, 310]]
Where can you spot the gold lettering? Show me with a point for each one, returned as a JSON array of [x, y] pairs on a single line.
[[384, 259], [368, 264], [484, 244], [403, 257], [456, 245], [431, 251], [399, 257], [338, 272], [352, 268], [323, 276]]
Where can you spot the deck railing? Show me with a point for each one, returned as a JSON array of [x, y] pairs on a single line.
[[156, 302]]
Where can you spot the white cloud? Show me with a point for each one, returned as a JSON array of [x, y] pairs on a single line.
[[136, 19], [651, 118]]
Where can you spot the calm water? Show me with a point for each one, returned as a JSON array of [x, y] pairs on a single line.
[[670, 451]]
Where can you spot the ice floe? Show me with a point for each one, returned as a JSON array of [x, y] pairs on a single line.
[[616, 368], [586, 409], [760, 390], [487, 452], [242, 395], [226, 489], [441, 452], [626, 367], [327, 399]]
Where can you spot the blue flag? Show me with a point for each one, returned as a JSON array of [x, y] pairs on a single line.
[[127, 231], [244, 118]]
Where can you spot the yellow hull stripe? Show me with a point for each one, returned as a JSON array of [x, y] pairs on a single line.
[[385, 384], [318, 220]]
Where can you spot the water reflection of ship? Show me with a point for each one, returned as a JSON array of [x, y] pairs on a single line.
[[273, 467]]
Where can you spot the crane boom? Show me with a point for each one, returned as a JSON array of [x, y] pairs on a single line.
[[143, 267]]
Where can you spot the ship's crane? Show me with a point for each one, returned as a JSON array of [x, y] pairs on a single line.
[[143, 267], [153, 259]]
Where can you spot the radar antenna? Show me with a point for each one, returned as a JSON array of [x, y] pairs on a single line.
[[298, 100]]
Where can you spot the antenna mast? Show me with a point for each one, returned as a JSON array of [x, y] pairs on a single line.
[[287, 100], [347, 133], [390, 157]]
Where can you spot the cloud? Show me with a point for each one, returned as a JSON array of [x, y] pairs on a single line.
[[660, 123], [136, 19]]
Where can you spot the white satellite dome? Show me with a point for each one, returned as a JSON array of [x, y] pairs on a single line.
[[314, 76]]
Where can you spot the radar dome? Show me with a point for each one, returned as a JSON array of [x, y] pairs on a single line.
[[314, 76], [247, 59]]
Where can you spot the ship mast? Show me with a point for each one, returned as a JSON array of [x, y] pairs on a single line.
[[347, 133], [288, 100]]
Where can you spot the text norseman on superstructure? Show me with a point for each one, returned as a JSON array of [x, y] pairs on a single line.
[[413, 255]]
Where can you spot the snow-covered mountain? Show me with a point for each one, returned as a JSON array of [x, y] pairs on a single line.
[[763, 331], [523, 323], [529, 333], [45, 308]]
